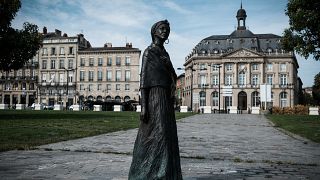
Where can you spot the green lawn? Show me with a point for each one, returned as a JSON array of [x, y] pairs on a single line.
[[303, 125], [26, 129]]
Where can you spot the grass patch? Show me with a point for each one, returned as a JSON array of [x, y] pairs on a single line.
[[303, 125], [23, 130]]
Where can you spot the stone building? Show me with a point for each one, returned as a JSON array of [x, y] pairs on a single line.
[[227, 71], [20, 86], [58, 67], [108, 73], [179, 90]]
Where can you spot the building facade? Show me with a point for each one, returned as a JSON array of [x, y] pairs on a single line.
[[58, 67], [67, 70], [20, 86], [108, 73], [228, 70]]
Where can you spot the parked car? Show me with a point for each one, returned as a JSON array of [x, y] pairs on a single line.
[[48, 107]]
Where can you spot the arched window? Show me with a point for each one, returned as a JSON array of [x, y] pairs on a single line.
[[99, 98], [255, 99], [202, 98], [283, 99], [126, 98], [90, 98], [215, 98], [108, 98], [118, 98]]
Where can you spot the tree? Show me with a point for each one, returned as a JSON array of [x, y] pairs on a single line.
[[303, 35], [316, 89], [17, 46]]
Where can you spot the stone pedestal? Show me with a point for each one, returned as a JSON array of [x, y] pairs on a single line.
[[4, 106], [138, 108], [207, 109], [20, 106], [313, 110], [97, 107], [233, 110], [255, 110], [57, 107], [184, 109], [118, 108], [38, 107], [76, 107]]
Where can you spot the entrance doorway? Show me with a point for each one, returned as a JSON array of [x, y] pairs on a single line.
[[242, 100]]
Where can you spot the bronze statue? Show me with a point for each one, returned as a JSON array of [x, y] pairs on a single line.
[[156, 150]]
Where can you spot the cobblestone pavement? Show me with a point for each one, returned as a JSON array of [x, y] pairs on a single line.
[[212, 146]]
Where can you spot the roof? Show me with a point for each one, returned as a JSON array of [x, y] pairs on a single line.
[[105, 49]]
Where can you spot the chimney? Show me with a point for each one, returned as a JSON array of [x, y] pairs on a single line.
[[45, 31], [58, 32], [108, 45], [128, 45]]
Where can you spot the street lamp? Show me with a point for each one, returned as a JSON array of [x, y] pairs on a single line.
[[218, 66]]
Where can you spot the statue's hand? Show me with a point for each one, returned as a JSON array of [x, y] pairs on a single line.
[[144, 115]]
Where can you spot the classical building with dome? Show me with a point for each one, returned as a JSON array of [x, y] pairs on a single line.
[[242, 71]]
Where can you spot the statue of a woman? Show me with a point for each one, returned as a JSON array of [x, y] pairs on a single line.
[[156, 150]]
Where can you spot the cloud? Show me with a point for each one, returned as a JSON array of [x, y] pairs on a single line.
[[175, 7]]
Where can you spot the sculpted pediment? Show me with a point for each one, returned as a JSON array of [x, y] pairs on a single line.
[[243, 53]]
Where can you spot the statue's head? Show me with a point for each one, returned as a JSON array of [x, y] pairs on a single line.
[[160, 30]]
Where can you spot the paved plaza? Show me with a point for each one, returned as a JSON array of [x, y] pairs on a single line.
[[212, 146]]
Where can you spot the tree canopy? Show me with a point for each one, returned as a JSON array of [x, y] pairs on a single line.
[[303, 35], [17, 46]]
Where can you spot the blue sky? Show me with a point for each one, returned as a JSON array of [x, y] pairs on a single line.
[[121, 21]]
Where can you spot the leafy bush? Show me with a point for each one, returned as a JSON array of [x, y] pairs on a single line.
[[298, 110], [301, 110]]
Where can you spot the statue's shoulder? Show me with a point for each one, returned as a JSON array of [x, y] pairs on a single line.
[[148, 50]]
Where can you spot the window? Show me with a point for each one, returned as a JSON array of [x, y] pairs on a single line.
[[53, 51], [44, 77], [82, 75], [61, 64], [255, 99], [283, 67], [118, 60], [118, 75], [91, 61], [118, 87], [269, 79], [283, 99], [228, 100], [127, 61], [203, 80], [81, 87], [44, 64], [269, 67], [70, 64], [99, 75], [90, 87], [44, 51], [228, 80], [108, 87], [128, 76], [61, 50], [109, 62], [70, 50], [100, 61], [242, 78], [215, 80], [255, 67], [202, 98], [70, 77], [283, 79], [53, 64], [127, 87], [109, 75], [255, 79], [215, 67], [82, 62], [202, 67], [91, 75], [228, 67], [99, 87], [215, 98]]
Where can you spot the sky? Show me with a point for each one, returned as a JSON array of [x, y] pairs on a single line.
[[121, 21]]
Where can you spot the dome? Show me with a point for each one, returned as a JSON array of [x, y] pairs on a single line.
[[241, 13]]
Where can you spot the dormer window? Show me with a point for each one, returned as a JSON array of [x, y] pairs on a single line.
[[217, 42], [215, 51], [269, 50]]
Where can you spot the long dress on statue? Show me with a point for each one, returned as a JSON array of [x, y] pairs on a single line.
[[156, 150]]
